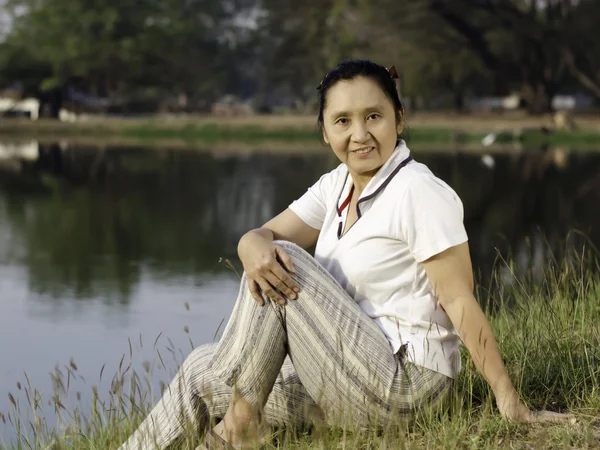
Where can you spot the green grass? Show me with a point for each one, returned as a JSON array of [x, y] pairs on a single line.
[[548, 334], [211, 133], [561, 138], [440, 136], [279, 130]]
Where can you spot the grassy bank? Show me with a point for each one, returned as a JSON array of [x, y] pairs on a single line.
[[421, 129], [549, 336]]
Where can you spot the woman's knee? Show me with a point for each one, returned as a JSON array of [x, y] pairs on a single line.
[[198, 360], [299, 256], [318, 277], [291, 249]]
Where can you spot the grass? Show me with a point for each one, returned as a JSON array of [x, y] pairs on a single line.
[[562, 138], [212, 132], [548, 334]]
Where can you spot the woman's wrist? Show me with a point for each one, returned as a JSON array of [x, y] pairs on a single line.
[[264, 233], [504, 388], [505, 393], [507, 399]]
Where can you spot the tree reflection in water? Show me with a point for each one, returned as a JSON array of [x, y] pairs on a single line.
[[89, 220]]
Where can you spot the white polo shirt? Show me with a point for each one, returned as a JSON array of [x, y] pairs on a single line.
[[406, 215]]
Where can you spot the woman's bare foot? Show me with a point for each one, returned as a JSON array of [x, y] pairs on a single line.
[[241, 426], [251, 436]]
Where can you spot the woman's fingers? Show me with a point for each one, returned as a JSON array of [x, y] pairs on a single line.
[[285, 259], [284, 282], [255, 292], [549, 416], [271, 278], [267, 288], [519, 412], [278, 285]]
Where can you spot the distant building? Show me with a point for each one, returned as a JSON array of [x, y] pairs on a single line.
[[13, 104], [510, 102], [572, 102], [562, 102]]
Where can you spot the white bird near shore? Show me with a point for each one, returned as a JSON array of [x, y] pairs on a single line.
[[488, 161], [488, 139]]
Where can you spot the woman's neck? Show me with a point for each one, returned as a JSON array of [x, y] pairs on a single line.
[[360, 182]]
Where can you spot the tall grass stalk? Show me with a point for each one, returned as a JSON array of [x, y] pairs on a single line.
[[549, 336]]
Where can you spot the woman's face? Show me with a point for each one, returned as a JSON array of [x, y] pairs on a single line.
[[359, 123]]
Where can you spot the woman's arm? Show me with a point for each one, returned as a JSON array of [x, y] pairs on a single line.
[[287, 226], [450, 273]]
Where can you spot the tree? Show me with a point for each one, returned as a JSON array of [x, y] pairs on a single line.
[[19, 65], [117, 48], [538, 41], [514, 45], [152, 51], [299, 42], [431, 57], [581, 51], [529, 34]]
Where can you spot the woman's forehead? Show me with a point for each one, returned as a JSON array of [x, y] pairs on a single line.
[[360, 93]]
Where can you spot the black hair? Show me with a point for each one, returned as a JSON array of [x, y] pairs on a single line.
[[350, 69]]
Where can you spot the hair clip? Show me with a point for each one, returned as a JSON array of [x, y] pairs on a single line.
[[322, 81]]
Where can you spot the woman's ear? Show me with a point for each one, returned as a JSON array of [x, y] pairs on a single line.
[[400, 124], [325, 138]]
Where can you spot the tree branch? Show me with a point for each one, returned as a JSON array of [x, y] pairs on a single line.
[[578, 74], [473, 35]]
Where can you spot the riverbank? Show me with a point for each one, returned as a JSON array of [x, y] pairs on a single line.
[[289, 131], [549, 336]]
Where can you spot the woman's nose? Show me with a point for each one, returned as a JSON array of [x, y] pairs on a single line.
[[360, 133]]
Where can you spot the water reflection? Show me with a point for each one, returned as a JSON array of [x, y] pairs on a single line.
[[102, 245], [536, 207], [90, 220]]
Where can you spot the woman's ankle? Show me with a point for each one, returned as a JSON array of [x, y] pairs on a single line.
[[248, 427], [242, 422], [239, 434]]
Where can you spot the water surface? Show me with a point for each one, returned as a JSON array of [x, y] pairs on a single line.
[[102, 251]]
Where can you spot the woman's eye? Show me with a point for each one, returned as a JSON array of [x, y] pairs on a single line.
[[342, 121], [374, 116]]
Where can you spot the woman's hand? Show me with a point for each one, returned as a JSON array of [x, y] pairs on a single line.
[[515, 410], [267, 268]]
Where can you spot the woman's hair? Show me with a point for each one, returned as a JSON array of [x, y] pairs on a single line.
[[348, 70]]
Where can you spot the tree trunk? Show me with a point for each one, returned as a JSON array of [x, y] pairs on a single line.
[[538, 97], [51, 103], [459, 101]]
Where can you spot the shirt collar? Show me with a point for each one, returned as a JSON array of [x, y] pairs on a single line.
[[399, 157]]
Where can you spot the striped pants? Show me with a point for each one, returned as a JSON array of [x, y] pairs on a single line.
[[319, 358]]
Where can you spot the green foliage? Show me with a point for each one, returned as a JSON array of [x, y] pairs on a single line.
[[117, 47], [276, 51]]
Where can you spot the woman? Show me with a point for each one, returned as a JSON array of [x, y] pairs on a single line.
[[368, 330]]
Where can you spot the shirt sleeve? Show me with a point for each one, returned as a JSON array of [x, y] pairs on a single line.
[[431, 217], [312, 206]]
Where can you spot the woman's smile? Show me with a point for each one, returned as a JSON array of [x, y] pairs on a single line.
[[363, 152]]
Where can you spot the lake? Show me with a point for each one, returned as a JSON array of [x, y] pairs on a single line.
[[112, 256]]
